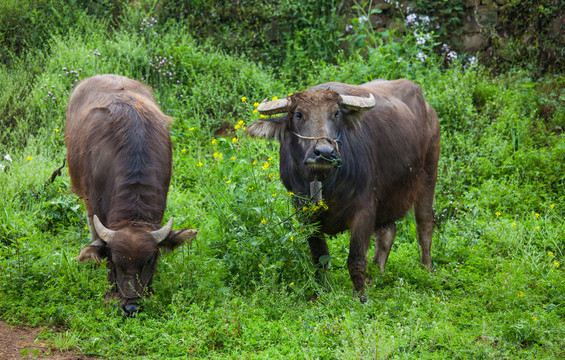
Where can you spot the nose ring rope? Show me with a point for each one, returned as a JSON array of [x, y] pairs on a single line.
[[335, 143]]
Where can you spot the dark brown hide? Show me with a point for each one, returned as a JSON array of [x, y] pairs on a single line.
[[119, 157], [389, 156]]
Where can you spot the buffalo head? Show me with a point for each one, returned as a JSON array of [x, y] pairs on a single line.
[[313, 124], [132, 254]]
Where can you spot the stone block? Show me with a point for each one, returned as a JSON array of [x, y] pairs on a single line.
[[487, 15], [474, 42], [471, 3]]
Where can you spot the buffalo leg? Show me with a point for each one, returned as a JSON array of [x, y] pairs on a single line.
[[361, 229], [424, 212], [384, 237], [318, 248], [91, 228]]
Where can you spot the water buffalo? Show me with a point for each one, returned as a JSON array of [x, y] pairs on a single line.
[[119, 157], [371, 150]]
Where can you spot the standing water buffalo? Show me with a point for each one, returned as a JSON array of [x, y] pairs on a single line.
[[371, 150], [119, 157]]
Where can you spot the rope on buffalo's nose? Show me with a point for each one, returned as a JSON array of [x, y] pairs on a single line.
[[337, 162]]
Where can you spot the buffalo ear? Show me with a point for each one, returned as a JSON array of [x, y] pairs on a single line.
[[93, 252], [274, 128], [177, 238]]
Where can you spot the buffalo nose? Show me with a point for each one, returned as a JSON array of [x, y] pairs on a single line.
[[325, 151], [130, 309]]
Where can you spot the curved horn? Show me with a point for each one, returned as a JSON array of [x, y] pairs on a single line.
[[278, 106], [357, 103], [103, 232], [163, 232]]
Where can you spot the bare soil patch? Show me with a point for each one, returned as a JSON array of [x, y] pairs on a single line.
[[22, 342]]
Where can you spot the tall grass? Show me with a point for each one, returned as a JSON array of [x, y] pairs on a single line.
[[242, 289]]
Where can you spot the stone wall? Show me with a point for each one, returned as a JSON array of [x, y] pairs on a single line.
[[482, 22]]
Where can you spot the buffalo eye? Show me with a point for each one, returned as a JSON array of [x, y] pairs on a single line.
[[150, 261], [298, 115], [336, 115]]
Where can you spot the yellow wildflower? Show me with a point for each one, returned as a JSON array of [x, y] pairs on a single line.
[[275, 98], [229, 181], [263, 116], [263, 221], [550, 254], [513, 224], [292, 238], [234, 140], [291, 284], [191, 129], [537, 215], [29, 158], [552, 206], [243, 99], [275, 194], [265, 166], [214, 141], [183, 150], [255, 104], [232, 158], [56, 130], [555, 263], [199, 164], [534, 319], [497, 213], [520, 293], [251, 188]]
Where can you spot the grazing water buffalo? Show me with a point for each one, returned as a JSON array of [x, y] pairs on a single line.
[[119, 157], [372, 152]]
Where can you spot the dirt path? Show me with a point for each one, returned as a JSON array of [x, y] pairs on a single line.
[[20, 342]]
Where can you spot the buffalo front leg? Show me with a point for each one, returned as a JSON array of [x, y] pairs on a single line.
[[384, 237], [318, 248], [91, 228], [361, 229]]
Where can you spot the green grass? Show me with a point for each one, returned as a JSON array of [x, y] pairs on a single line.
[[242, 289]]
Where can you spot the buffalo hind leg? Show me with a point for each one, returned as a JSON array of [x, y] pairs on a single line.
[[424, 212], [384, 237]]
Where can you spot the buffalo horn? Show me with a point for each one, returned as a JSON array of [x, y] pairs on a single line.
[[103, 232], [163, 232], [357, 103], [278, 106]]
